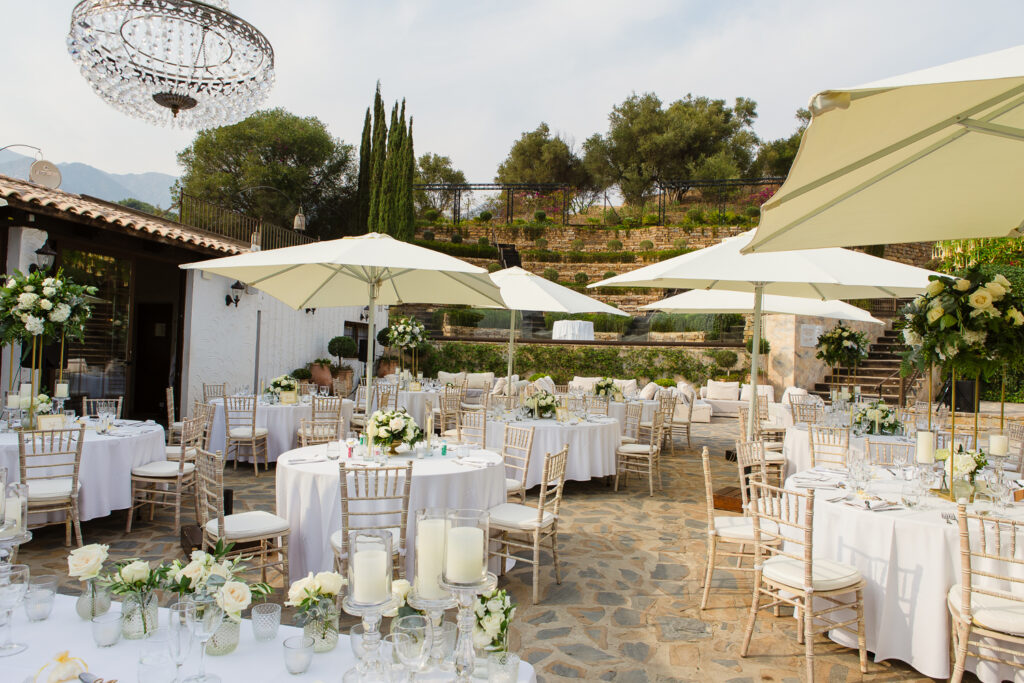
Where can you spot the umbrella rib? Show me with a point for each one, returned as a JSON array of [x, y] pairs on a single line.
[[818, 290], [276, 273], [499, 301], [993, 129], [334, 272], [885, 151]]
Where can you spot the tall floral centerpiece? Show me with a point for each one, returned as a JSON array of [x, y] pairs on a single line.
[[604, 387], [36, 309], [316, 600], [392, 428], [877, 418], [843, 347], [85, 564], [541, 404], [408, 335], [138, 583]]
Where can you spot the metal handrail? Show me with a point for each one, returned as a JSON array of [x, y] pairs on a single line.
[[213, 218]]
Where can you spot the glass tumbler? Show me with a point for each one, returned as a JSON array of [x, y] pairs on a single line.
[[266, 618]]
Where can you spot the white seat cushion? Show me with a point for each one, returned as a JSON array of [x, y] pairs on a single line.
[[50, 489], [246, 432], [635, 449], [337, 538], [516, 516], [513, 485], [174, 452], [249, 524], [828, 575], [991, 611], [774, 456], [177, 425], [739, 528], [451, 433], [628, 439], [162, 468]]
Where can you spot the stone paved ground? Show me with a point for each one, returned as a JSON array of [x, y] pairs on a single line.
[[627, 608]]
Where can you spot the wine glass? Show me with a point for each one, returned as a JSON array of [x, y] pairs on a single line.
[[183, 628], [208, 619], [13, 585], [414, 650]]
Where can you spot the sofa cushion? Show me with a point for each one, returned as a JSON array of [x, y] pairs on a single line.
[[499, 387], [455, 378], [723, 391], [480, 380], [628, 387], [584, 384], [791, 391], [762, 390], [649, 391], [546, 384]]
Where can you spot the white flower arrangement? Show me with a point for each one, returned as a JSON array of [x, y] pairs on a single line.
[[212, 574], [38, 305], [604, 387], [406, 333], [877, 418], [400, 589], [43, 404], [964, 463], [494, 611], [86, 563], [541, 404], [315, 596], [394, 425], [280, 384]]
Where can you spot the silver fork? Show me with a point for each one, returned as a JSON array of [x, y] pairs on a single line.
[[950, 517]]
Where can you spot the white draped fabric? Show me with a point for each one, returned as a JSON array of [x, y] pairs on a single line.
[[618, 411], [107, 462], [309, 497], [253, 661], [281, 421], [591, 446], [573, 329]]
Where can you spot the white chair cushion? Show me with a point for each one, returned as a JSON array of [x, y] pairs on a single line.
[[739, 528], [828, 575], [249, 524], [516, 516], [451, 433], [50, 489], [174, 452], [774, 456], [246, 432], [162, 468], [635, 449], [337, 538], [991, 611], [628, 439], [177, 425], [722, 391], [649, 391], [513, 485]]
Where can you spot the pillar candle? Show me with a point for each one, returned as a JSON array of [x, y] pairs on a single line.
[[13, 401], [369, 573], [12, 513], [429, 558], [998, 444], [925, 447], [25, 390], [464, 557], [60, 390]]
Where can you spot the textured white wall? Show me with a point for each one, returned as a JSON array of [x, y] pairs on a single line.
[[220, 341]]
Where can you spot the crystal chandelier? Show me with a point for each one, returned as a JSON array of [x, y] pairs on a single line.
[[172, 62]]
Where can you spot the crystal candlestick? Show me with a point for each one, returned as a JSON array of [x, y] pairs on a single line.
[[465, 597], [369, 596], [465, 575]]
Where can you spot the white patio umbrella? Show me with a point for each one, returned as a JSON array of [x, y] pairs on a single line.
[[523, 291], [720, 301], [931, 155], [371, 269], [819, 273]]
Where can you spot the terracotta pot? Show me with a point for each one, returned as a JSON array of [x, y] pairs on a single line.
[[387, 367], [321, 374]]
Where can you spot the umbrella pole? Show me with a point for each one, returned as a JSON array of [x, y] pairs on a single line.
[[371, 337], [511, 351], [256, 362], [755, 352]]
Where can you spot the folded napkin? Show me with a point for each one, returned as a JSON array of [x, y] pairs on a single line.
[[301, 461], [875, 505]]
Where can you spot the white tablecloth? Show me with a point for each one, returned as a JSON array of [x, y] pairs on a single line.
[[591, 446], [618, 411], [573, 329], [252, 662], [909, 560], [309, 497], [281, 421], [107, 462], [796, 447]]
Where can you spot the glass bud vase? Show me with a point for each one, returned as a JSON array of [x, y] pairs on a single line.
[[324, 632], [225, 639], [94, 600], [139, 616]]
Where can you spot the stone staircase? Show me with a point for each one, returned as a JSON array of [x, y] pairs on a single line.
[[880, 367]]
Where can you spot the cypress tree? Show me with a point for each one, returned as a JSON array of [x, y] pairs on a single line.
[[388, 216], [378, 156], [363, 186], [408, 210]]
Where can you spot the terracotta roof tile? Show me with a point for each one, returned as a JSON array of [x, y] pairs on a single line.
[[30, 194]]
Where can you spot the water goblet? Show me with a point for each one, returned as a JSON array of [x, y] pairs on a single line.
[[14, 579], [181, 633], [156, 664], [415, 652], [390, 647], [355, 640], [208, 619]]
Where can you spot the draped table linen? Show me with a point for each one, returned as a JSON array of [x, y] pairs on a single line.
[[617, 409], [281, 421], [796, 447], [582, 330]]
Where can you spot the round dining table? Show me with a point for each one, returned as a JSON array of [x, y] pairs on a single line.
[[592, 445], [796, 446], [309, 497], [281, 421], [617, 409], [105, 473], [909, 559]]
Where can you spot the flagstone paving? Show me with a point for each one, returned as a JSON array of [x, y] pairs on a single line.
[[627, 609]]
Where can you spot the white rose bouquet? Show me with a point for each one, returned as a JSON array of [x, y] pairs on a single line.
[[842, 347], [212, 574], [604, 387], [282, 383], [494, 611], [541, 404], [315, 598], [138, 583], [43, 404], [407, 333], [390, 426], [42, 306], [877, 418], [965, 464]]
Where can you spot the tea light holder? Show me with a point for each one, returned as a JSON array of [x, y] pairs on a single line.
[[369, 596], [427, 593], [465, 575]]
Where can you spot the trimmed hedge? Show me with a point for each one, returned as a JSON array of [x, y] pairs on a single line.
[[460, 250]]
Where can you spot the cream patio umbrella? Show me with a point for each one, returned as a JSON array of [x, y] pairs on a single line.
[[371, 269], [819, 273], [931, 155], [523, 291], [721, 301]]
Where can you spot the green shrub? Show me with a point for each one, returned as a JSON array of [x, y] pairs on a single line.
[[428, 235], [485, 216], [456, 238], [302, 373], [695, 216], [342, 347], [651, 219], [578, 245], [431, 215], [482, 242], [679, 243], [665, 382], [593, 221], [631, 222], [540, 243], [609, 273], [646, 245], [711, 323], [382, 338], [614, 245], [518, 221], [454, 248], [752, 212], [610, 217], [463, 317], [724, 358], [581, 278], [532, 232], [551, 274], [540, 216], [493, 267], [537, 375], [765, 346]]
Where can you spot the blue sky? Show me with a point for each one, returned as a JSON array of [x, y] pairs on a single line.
[[477, 74]]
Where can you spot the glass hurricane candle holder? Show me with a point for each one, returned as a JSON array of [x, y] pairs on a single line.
[[369, 596], [14, 531], [465, 574], [427, 593]]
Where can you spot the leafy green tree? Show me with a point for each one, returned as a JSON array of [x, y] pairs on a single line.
[[146, 207], [378, 155], [296, 156], [434, 168], [363, 185], [775, 157]]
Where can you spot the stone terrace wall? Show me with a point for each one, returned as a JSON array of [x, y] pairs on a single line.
[[912, 253]]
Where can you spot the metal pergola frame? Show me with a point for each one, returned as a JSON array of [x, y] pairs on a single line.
[[508, 188]]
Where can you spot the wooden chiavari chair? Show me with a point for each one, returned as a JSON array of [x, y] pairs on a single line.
[[640, 458], [324, 409], [313, 432], [376, 498], [889, 453], [471, 428], [241, 432], [49, 462], [631, 422], [164, 482], [830, 446], [598, 405], [212, 391], [173, 424], [515, 452]]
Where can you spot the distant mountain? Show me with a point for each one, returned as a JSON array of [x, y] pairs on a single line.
[[85, 179]]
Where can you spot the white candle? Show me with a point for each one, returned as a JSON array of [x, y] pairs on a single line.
[[998, 444], [13, 401], [25, 390], [60, 390], [13, 514], [925, 447], [429, 558], [370, 573], [464, 558]]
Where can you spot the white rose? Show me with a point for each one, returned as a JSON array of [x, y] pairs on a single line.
[[30, 288], [934, 287], [996, 290], [330, 583], [233, 597], [27, 300], [480, 638], [198, 556], [1015, 316], [45, 304], [479, 609], [222, 570], [400, 589], [999, 279], [86, 562], [493, 605], [934, 314], [136, 571], [397, 424], [297, 591], [963, 285], [49, 291], [492, 625], [980, 299]]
